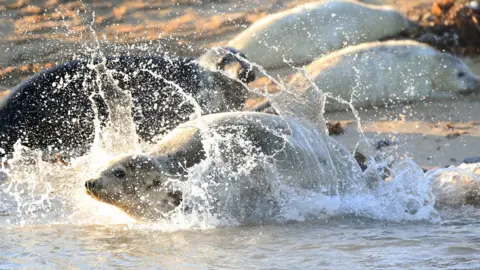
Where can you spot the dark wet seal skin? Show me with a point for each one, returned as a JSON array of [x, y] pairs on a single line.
[[52, 110]]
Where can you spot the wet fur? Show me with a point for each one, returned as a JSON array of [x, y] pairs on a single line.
[[384, 72], [45, 113], [274, 141]]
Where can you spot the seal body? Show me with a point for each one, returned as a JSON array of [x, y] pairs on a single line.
[[456, 187], [243, 158], [299, 35], [55, 109], [382, 73]]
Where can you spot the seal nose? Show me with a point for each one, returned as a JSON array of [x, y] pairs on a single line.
[[90, 184]]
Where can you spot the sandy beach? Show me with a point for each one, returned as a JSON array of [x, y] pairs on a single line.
[[434, 134]]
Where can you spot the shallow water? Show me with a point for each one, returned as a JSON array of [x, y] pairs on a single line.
[[338, 243], [49, 222], [379, 232]]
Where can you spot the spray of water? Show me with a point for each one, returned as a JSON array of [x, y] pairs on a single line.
[[37, 192]]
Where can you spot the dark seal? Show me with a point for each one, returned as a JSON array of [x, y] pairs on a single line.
[[55, 110]]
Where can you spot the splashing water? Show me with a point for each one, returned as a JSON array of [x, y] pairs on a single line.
[[37, 192]]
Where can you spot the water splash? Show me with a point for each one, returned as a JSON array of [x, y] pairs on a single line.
[[120, 134], [38, 192]]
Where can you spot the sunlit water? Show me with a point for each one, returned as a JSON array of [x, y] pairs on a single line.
[[338, 243], [49, 221]]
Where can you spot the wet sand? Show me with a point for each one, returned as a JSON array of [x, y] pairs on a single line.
[[433, 134], [36, 36]]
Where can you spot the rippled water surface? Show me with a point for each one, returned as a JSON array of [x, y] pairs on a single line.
[[334, 244]]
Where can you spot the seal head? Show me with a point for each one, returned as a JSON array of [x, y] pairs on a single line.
[[230, 61], [139, 185], [453, 75]]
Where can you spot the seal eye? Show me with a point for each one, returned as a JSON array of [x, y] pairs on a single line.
[[460, 74], [119, 173]]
